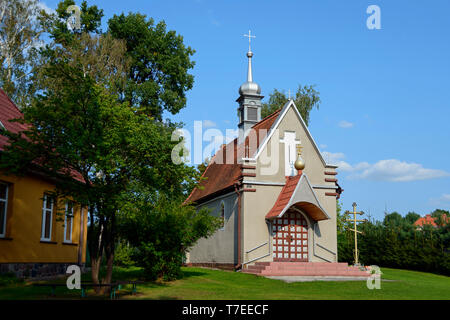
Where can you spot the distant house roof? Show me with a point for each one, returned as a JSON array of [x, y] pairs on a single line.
[[220, 175], [429, 220], [8, 112]]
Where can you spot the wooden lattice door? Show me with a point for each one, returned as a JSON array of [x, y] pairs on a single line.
[[290, 237]]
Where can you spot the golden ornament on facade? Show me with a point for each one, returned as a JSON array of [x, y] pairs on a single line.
[[299, 163]]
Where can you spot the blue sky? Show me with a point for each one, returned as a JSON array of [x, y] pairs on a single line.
[[385, 94]]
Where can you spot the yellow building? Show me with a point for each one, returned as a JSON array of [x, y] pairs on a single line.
[[39, 236]]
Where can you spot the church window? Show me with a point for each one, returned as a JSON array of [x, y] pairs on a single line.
[[47, 217], [222, 214], [252, 114], [3, 208]]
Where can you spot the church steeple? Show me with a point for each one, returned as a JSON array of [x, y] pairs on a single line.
[[249, 97]]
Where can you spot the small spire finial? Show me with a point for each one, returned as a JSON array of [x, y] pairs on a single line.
[[249, 36], [249, 56]]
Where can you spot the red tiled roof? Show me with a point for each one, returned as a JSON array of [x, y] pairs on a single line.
[[9, 111], [428, 219], [284, 196], [219, 175]]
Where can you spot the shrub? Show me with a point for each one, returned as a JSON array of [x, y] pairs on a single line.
[[396, 243], [9, 278], [124, 255], [162, 231]]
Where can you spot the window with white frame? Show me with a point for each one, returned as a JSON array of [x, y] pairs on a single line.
[[68, 222], [3, 208], [47, 217]]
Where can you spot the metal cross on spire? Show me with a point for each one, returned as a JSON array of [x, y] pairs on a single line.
[[249, 36]]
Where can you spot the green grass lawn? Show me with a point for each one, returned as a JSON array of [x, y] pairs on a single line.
[[199, 283]]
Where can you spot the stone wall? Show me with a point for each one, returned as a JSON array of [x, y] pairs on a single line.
[[36, 270]]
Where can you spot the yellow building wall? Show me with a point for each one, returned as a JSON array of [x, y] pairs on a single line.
[[22, 242]]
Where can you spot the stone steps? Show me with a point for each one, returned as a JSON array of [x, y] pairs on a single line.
[[304, 269]]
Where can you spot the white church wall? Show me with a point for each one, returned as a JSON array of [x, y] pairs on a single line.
[[221, 247], [256, 232]]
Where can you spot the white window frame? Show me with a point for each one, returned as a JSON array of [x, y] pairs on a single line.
[[67, 214], [44, 211], [222, 204], [3, 232]]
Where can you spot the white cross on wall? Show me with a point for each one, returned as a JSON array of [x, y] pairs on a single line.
[[290, 148]]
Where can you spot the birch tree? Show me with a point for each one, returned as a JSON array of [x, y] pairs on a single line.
[[20, 38]]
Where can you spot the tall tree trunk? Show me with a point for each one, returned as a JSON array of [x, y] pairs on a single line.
[[109, 270], [96, 245], [95, 269], [110, 241]]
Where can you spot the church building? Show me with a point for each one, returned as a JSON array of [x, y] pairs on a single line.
[[273, 189]]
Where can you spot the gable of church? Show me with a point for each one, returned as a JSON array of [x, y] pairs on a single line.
[[276, 155]]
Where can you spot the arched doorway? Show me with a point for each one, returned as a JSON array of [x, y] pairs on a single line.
[[290, 237]]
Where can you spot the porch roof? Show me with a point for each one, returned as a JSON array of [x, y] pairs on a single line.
[[299, 193]]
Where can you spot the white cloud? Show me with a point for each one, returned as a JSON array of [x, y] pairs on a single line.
[[399, 171], [209, 124], [46, 8], [337, 159], [442, 200], [345, 124], [332, 158], [391, 170]]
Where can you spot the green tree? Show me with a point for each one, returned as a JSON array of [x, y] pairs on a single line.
[[82, 124], [341, 219], [441, 216], [202, 166], [306, 99], [78, 126], [396, 243], [20, 37], [412, 217], [393, 219], [158, 77], [162, 230], [56, 23]]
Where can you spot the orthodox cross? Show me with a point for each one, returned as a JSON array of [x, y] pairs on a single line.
[[249, 36], [299, 150], [355, 230]]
